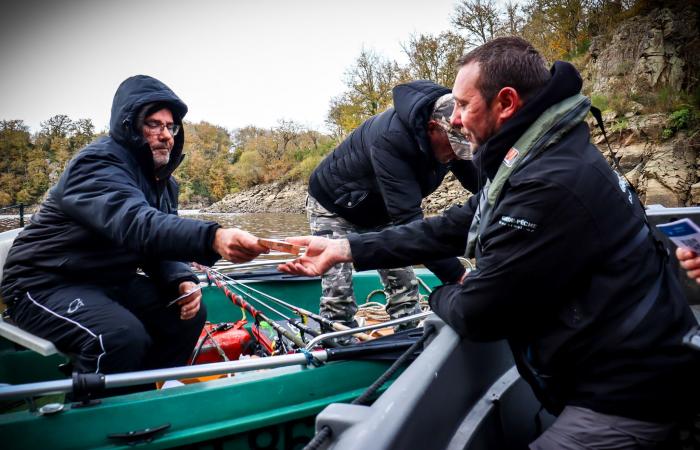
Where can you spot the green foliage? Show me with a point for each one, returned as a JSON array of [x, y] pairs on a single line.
[[206, 174], [308, 159], [615, 102], [249, 169], [286, 152], [619, 125], [681, 119], [27, 162], [599, 101]]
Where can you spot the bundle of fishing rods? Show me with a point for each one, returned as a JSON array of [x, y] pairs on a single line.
[[298, 335]]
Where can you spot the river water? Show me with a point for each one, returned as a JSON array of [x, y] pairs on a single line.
[[269, 225]]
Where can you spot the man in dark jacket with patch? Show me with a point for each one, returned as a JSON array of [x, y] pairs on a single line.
[[568, 270], [377, 177], [71, 274]]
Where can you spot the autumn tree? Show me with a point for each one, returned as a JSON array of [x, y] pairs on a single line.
[[479, 20], [369, 83], [206, 173], [513, 20], [434, 57], [15, 146]]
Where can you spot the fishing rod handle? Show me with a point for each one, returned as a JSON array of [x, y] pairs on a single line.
[[340, 327]]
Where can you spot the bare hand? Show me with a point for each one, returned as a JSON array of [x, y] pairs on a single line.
[[189, 306], [237, 245], [690, 262], [321, 254]]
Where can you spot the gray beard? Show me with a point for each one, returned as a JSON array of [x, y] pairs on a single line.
[[160, 160]]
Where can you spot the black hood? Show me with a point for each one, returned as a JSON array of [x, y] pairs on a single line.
[[134, 93], [413, 103], [565, 82]]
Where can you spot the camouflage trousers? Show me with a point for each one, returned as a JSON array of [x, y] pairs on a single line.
[[337, 297]]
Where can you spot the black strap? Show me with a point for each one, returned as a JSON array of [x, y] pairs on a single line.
[[599, 120], [622, 330]]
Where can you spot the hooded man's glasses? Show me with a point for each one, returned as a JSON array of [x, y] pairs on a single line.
[[153, 127]]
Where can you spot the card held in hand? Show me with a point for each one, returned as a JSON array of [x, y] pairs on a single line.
[[280, 246]]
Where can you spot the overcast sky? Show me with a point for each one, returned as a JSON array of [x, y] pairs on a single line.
[[234, 63]]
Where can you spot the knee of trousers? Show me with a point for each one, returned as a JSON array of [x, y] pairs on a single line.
[[193, 327], [125, 347], [188, 331]]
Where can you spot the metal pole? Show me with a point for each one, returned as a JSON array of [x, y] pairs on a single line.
[[313, 342], [151, 376], [21, 215]]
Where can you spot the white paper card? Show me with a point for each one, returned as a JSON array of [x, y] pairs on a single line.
[[684, 233]]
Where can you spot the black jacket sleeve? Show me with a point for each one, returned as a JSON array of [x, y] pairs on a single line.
[[101, 194], [468, 175], [402, 195], [416, 242], [169, 274], [530, 252]]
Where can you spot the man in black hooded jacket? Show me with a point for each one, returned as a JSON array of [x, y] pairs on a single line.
[[71, 274], [567, 268], [377, 177]]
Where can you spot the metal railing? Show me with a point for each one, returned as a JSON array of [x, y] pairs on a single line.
[[12, 217]]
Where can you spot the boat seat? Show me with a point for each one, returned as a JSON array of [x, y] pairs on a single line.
[[26, 339], [10, 331]]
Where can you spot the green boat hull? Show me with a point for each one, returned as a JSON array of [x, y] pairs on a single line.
[[271, 409]]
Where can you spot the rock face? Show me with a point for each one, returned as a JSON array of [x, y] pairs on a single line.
[[662, 171], [449, 193], [646, 58], [647, 52], [274, 197], [291, 198]]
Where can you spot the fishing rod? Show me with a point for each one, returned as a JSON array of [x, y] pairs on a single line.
[[257, 315], [333, 325], [302, 327]]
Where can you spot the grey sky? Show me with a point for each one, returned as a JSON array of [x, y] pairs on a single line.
[[234, 63]]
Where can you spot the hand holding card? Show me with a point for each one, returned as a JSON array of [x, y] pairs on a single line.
[[280, 246]]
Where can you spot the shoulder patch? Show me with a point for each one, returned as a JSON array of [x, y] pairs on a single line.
[[511, 156]]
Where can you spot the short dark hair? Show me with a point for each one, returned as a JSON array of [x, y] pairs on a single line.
[[508, 61]]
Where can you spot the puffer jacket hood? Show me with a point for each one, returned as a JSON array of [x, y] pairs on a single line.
[[413, 103], [132, 95]]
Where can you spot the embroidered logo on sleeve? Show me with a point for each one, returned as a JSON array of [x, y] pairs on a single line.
[[75, 305], [518, 223], [511, 156], [624, 186]]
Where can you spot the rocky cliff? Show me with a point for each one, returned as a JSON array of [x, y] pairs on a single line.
[[274, 197], [648, 64], [638, 71]]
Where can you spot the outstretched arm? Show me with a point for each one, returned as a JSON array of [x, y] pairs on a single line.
[[321, 254]]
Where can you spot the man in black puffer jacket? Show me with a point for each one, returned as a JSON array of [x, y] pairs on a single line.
[[377, 177], [71, 274], [568, 270]]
